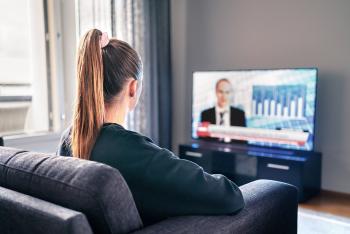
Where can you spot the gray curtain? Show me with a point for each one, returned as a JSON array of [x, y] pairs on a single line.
[[145, 25], [159, 71]]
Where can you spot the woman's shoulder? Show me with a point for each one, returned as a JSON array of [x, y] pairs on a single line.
[[112, 136], [64, 145]]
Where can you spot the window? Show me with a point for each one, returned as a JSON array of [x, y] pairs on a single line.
[[24, 102]]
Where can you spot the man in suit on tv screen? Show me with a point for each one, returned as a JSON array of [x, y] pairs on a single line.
[[223, 113]]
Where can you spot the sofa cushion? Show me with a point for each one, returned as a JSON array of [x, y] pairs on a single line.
[[20, 213], [97, 190]]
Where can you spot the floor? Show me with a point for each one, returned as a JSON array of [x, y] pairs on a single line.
[[329, 202]]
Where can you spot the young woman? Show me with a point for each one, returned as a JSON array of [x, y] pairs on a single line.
[[109, 74]]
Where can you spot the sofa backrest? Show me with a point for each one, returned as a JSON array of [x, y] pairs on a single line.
[[20, 213], [95, 189]]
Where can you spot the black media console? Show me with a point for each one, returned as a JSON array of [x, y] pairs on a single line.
[[245, 163]]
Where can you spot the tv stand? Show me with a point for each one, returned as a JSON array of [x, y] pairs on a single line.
[[245, 163]]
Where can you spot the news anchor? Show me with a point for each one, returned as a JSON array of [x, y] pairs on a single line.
[[223, 113]]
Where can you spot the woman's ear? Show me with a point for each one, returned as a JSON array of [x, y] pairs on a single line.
[[133, 88]]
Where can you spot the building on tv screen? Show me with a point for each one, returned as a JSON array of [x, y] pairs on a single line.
[[274, 108]]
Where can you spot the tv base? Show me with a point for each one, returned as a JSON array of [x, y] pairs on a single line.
[[245, 163]]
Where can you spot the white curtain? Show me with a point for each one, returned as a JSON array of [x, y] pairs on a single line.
[[94, 14]]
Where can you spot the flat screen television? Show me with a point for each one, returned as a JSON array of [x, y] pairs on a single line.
[[270, 108]]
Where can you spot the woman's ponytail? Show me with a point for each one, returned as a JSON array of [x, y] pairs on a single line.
[[103, 67], [89, 104]]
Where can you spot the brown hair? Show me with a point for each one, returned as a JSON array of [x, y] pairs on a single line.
[[101, 75]]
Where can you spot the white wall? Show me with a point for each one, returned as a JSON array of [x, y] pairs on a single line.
[[232, 34]]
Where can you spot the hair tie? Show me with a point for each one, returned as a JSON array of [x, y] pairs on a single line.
[[104, 40]]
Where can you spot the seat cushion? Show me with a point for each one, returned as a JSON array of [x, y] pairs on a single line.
[[20, 213], [97, 190]]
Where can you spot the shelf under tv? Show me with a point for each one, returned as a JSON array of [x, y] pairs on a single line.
[[244, 163]]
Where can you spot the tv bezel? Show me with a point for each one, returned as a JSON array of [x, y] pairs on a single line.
[[256, 145]]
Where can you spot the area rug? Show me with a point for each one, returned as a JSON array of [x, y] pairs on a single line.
[[310, 222]]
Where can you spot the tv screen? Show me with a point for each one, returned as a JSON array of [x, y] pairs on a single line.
[[274, 108]]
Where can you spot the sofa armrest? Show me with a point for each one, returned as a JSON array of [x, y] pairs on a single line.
[[270, 207], [20, 213]]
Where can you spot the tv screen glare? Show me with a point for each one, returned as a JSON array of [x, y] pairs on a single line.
[[271, 108]]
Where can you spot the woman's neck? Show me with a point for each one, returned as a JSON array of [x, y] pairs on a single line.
[[116, 113]]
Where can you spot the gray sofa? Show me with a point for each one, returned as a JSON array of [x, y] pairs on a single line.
[[43, 193]]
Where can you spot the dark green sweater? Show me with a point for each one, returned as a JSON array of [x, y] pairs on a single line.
[[162, 184]]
